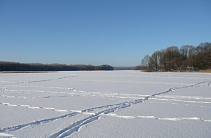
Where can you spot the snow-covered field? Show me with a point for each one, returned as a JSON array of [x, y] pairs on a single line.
[[102, 104]]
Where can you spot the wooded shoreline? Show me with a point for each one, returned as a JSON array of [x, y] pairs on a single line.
[[187, 58], [35, 67]]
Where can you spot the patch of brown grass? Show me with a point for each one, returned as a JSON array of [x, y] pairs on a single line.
[[145, 70], [205, 71]]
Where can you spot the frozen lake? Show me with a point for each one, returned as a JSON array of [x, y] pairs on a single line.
[[105, 104]]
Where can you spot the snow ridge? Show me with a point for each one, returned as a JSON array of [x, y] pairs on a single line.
[[159, 118]]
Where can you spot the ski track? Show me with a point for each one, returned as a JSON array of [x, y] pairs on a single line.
[[74, 92], [45, 80], [76, 126], [14, 128], [94, 116]]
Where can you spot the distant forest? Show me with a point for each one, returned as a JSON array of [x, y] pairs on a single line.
[[187, 58], [124, 68], [16, 66]]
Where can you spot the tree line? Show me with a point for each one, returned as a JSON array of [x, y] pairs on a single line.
[[187, 58], [16, 66]]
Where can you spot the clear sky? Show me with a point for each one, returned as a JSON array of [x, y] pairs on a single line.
[[114, 32]]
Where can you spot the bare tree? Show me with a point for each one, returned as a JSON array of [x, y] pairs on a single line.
[[185, 50], [145, 61]]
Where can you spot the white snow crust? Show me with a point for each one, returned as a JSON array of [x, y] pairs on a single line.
[[105, 104]]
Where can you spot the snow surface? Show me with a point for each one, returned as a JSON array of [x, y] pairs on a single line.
[[105, 104]]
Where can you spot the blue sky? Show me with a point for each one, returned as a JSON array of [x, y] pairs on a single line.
[[114, 32]]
